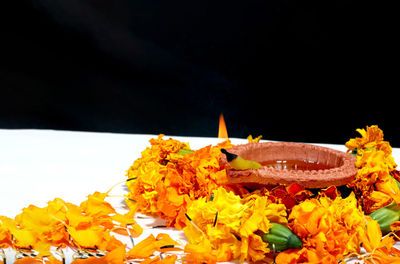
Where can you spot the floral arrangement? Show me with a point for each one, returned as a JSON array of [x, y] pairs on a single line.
[[375, 183], [222, 222]]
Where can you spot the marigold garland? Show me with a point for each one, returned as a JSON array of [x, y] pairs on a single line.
[[166, 182], [374, 184], [222, 222], [61, 224], [374, 181], [88, 227]]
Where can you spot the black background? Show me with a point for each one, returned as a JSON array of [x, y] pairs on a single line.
[[310, 71]]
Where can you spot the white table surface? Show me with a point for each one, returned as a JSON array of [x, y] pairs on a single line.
[[37, 166]]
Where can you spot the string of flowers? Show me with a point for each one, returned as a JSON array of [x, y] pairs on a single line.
[[375, 183], [335, 229], [175, 180], [222, 222], [169, 176], [38, 235]]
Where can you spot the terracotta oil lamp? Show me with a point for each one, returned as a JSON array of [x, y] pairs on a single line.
[[308, 165]]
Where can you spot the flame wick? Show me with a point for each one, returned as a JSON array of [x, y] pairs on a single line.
[[222, 131]]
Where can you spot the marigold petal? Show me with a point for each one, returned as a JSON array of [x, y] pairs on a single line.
[[144, 248], [88, 238], [200, 253]]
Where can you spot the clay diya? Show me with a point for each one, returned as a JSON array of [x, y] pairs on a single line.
[[308, 165]]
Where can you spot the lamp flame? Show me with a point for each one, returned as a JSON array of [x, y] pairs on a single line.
[[222, 131]]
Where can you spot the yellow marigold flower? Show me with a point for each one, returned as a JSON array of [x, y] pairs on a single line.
[[253, 249], [225, 207], [228, 225], [256, 219]]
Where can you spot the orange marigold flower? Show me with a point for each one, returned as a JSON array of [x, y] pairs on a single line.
[[332, 227], [372, 137], [165, 180], [331, 230], [375, 166]]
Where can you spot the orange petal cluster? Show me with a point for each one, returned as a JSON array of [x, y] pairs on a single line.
[[61, 224], [379, 250], [143, 253], [115, 256], [333, 230], [330, 229], [147, 247], [374, 185], [169, 177], [289, 195], [222, 222]]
